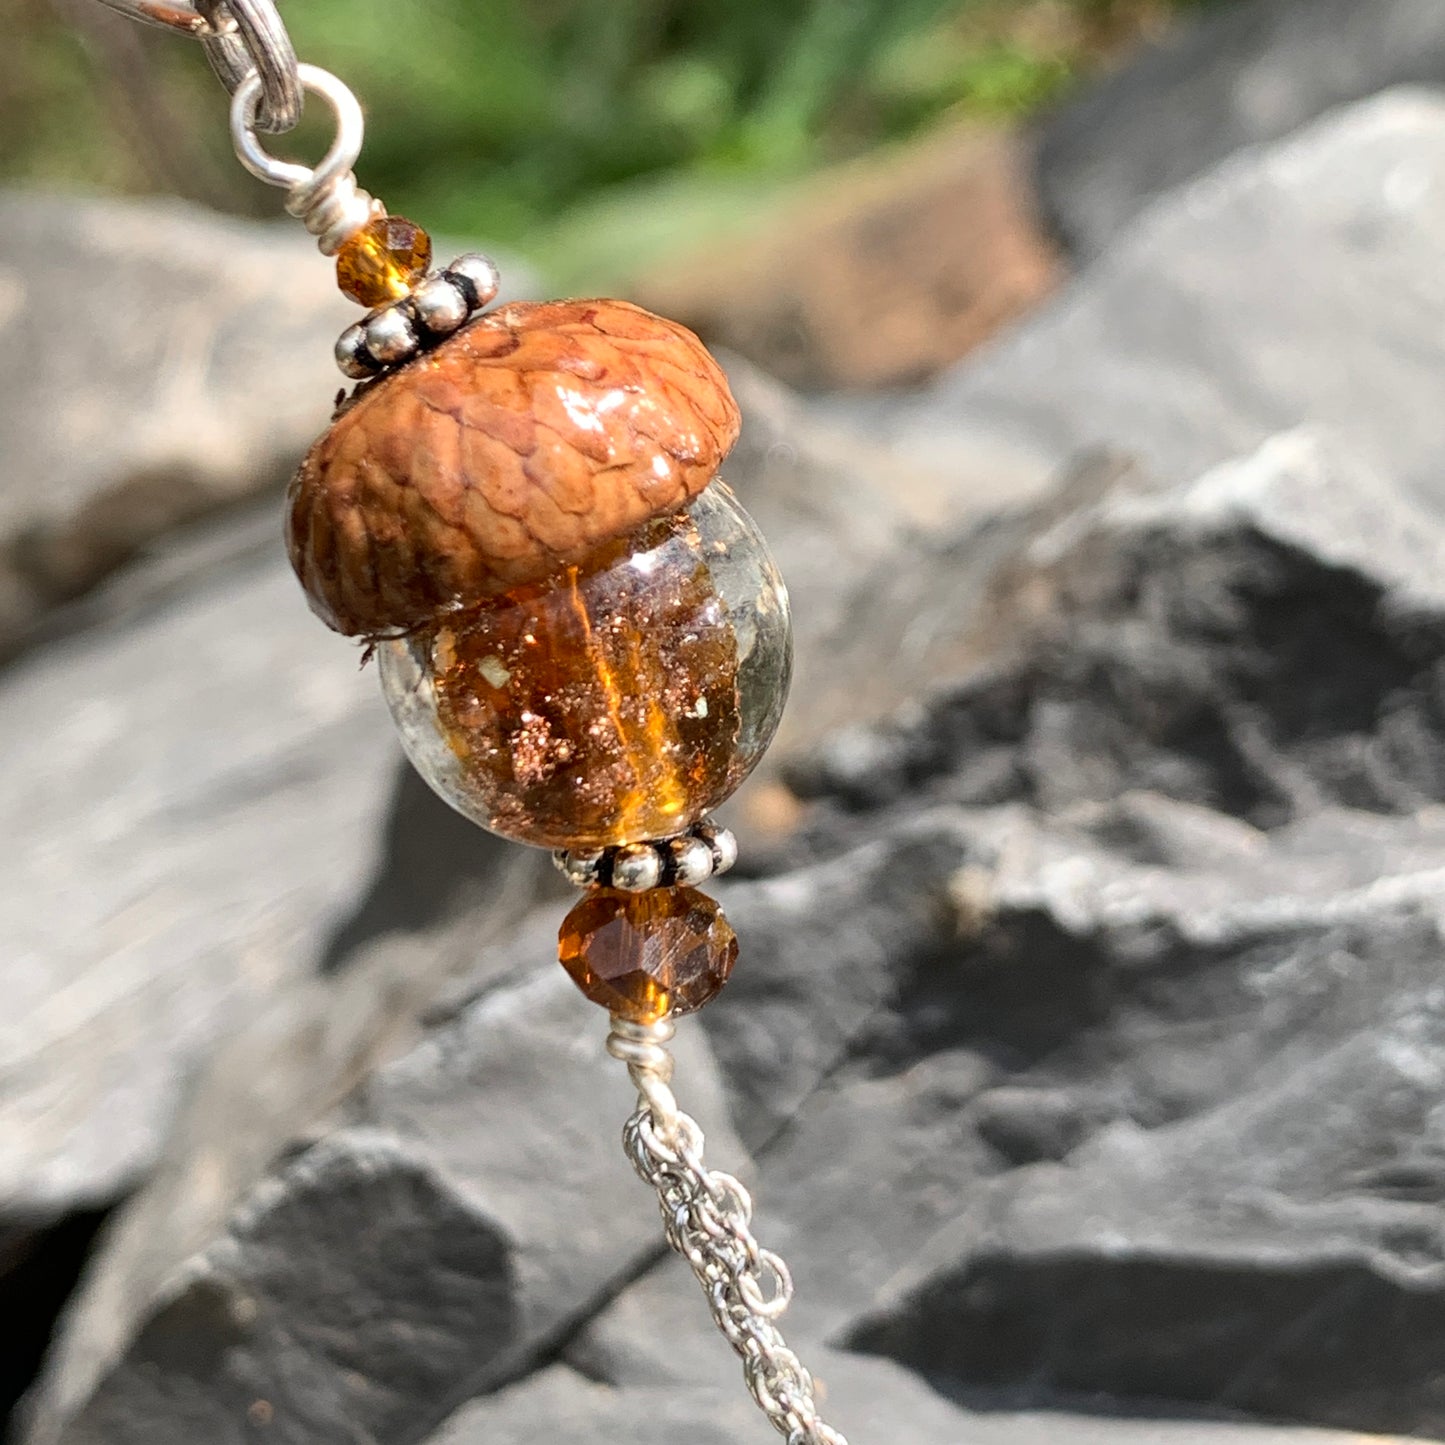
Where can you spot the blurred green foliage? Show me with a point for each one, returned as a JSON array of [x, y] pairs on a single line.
[[569, 128]]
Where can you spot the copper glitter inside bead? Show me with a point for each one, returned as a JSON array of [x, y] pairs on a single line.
[[619, 702], [582, 637], [642, 956]]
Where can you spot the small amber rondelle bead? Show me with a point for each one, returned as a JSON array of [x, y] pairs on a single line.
[[383, 260], [642, 956]]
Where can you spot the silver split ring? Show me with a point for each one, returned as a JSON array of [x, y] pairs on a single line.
[[248, 37], [289, 175]]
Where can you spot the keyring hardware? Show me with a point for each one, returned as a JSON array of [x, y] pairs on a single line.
[[240, 37]]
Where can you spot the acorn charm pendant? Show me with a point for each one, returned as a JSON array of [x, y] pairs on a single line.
[[581, 635], [583, 640]]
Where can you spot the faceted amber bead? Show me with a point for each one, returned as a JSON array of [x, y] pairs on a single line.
[[645, 955], [383, 260]]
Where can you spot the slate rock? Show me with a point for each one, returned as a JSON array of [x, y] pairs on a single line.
[[180, 778], [1149, 1120], [879, 1400], [875, 273], [1261, 643], [159, 362], [1137, 907], [883, 1403], [479, 1176], [1243, 75], [215, 922], [1110, 957], [1295, 284]]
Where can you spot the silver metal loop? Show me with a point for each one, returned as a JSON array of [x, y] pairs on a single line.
[[730, 1195], [289, 175], [248, 36], [326, 198], [751, 1287]]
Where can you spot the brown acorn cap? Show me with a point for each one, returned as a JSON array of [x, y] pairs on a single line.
[[520, 445]]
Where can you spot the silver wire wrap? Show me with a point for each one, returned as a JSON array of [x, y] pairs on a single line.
[[326, 198], [707, 1218]]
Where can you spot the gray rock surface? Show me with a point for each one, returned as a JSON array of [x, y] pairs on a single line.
[[1157, 1111], [233, 899], [139, 838], [1294, 284], [1085, 1050], [193, 370], [160, 362], [1117, 1081], [1244, 74], [883, 1402], [478, 1177]]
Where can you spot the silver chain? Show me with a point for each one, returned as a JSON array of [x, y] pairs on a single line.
[[707, 1219]]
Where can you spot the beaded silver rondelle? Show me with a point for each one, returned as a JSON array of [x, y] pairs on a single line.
[[704, 851], [477, 277], [636, 867], [390, 336], [440, 304], [691, 861], [352, 356]]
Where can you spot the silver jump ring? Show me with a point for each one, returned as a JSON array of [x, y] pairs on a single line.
[[289, 175], [246, 37]]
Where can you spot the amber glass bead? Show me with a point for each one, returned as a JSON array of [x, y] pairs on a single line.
[[383, 260], [617, 702], [645, 955]]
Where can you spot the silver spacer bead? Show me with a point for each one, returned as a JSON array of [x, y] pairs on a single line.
[[580, 866], [440, 305], [636, 867], [390, 336], [723, 844], [352, 355], [692, 860], [478, 279], [704, 851]]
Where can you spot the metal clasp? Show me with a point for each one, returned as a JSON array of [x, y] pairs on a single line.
[[157, 12], [240, 37]]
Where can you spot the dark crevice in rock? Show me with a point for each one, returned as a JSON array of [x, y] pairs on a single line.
[[38, 1270], [1235, 673], [434, 864], [1325, 1341]]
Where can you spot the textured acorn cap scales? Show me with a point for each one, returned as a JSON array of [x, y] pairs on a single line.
[[517, 447]]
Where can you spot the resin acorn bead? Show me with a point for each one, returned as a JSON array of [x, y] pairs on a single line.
[[582, 641]]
